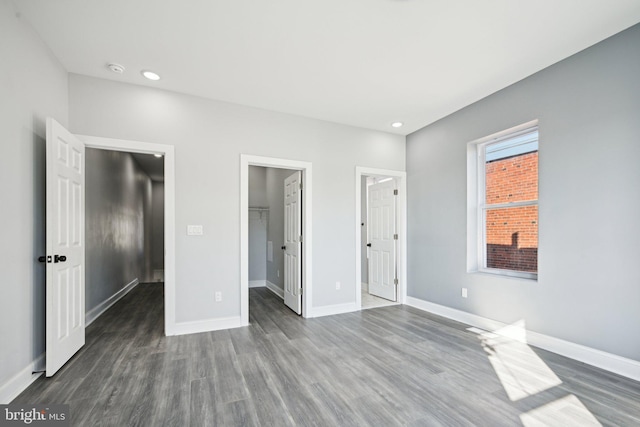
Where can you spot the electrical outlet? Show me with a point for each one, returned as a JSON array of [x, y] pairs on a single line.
[[218, 296], [338, 286], [464, 292]]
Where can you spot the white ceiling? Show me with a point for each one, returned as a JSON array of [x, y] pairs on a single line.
[[364, 63]]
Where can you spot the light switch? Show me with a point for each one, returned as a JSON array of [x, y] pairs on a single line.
[[194, 230]]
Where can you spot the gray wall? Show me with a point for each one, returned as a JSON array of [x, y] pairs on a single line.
[[258, 223], [33, 85], [209, 137], [258, 245], [118, 224], [588, 288], [157, 226], [257, 187]]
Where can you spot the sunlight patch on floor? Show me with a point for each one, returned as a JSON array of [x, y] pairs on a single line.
[[566, 411], [520, 370], [523, 373]]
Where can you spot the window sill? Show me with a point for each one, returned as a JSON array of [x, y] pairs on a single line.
[[507, 274]]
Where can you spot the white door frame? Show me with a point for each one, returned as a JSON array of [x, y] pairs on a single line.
[[401, 216], [247, 160], [169, 212]]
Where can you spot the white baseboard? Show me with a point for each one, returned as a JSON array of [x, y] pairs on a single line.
[[96, 311], [329, 310], [257, 283], [275, 289], [610, 362], [23, 379], [184, 328]]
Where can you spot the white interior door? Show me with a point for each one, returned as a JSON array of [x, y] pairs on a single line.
[[65, 246], [382, 239], [293, 243]]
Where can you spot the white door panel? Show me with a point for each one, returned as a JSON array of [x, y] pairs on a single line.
[[65, 246], [382, 229], [292, 243]]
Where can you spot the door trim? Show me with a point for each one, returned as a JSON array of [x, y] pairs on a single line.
[[170, 327], [401, 217], [247, 160]]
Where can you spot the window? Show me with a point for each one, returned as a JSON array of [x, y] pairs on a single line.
[[506, 211]]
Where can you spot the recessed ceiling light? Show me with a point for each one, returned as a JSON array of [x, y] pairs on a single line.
[[150, 75], [396, 124], [116, 68], [158, 155]]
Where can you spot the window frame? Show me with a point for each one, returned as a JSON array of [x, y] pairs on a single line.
[[481, 207]]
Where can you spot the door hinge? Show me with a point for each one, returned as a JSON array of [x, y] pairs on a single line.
[[301, 185], [395, 237], [395, 192], [300, 239], [395, 281], [300, 291]]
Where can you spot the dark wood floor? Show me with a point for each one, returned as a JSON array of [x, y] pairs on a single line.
[[380, 367]]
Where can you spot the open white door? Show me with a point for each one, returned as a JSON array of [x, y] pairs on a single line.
[[382, 239], [293, 243], [65, 246]]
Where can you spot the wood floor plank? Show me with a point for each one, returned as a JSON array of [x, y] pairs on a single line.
[[228, 379], [390, 366], [240, 413], [304, 409], [376, 411], [270, 407], [171, 399], [201, 410], [335, 405], [139, 403], [261, 318], [123, 387], [112, 355], [242, 339]]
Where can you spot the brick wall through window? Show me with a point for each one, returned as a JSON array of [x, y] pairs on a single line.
[[512, 232]]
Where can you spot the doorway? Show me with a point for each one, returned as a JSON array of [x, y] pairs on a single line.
[[167, 151], [275, 227], [380, 237], [65, 237], [303, 242], [124, 226]]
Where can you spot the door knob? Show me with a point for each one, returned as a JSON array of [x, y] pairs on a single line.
[[284, 248], [59, 258], [368, 245]]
